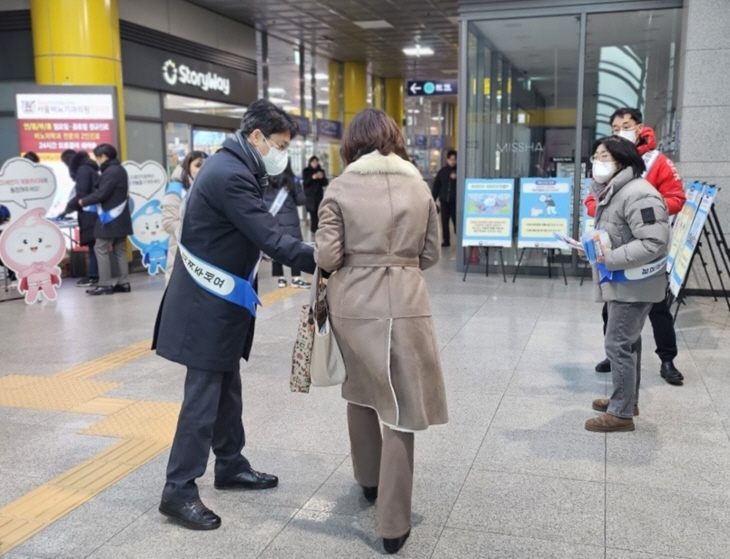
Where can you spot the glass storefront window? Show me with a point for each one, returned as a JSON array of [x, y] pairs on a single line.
[[523, 95], [177, 142]]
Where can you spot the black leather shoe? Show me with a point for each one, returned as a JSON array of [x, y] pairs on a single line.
[[122, 288], [371, 493], [194, 515], [393, 545], [670, 373], [248, 479], [604, 366], [100, 290]]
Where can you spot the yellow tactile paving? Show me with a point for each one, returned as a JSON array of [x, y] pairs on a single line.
[[146, 429], [148, 421], [50, 393]]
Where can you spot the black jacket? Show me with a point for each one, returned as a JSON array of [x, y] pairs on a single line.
[[85, 173], [113, 190], [444, 187], [288, 216], [313, 188], [227, 224]]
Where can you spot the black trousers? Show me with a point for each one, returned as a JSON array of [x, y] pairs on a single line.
[[210, 418], [277, 270], [662, 324], [448, 212]]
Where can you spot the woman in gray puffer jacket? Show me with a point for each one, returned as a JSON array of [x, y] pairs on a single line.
[[634, 215], [287, 216]]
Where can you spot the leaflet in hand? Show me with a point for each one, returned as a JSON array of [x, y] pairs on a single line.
[[567, 240], [593, 243]]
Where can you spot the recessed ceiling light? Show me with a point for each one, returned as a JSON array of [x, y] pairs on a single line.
[[323, 102], [279, 101], [277, 91], [325, 89], [418, 50], [376, 24], [321, 76]]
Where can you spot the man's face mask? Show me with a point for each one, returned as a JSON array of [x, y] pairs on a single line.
[[276, 160]]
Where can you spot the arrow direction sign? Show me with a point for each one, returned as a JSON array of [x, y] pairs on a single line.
[[430, 88]]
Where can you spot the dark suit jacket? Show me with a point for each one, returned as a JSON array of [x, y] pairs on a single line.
[[113, 190], [227, 224]]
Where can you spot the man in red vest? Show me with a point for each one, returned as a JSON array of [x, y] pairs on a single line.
[[662, 174]]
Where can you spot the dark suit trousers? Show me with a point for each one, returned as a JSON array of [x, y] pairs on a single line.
[[662, 324], [448, 212], [210, 417]]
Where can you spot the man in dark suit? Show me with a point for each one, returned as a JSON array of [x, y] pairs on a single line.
[[114, 223], [444, 191], [206, 318]]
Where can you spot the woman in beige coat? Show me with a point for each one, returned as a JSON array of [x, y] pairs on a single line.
[[378, 229], [180, 183]]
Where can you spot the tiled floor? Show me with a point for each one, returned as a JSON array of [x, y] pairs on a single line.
[[513, 475]]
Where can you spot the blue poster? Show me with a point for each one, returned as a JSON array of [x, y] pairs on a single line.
[[488, 212], [544, 211], [683, 221], [684, 256]]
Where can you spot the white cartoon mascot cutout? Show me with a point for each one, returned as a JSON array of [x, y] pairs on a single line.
[[149, 237], [32, 247]]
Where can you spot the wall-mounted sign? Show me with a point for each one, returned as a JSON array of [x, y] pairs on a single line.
[[167, 71], [488, 211], [305, 125], [544, 211], [420, 141], [437, 142], [329, 128], [432, 87], [54, 119]]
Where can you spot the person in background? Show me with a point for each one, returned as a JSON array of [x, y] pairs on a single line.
[[284, 195], [180, 183], [85, 173], [378, 231], [634, 215], [314, 180], [662, 175], [114, 224], [32, 156], [444, 190]]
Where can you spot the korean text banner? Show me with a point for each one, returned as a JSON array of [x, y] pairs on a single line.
[[544, 211], [488, 212]]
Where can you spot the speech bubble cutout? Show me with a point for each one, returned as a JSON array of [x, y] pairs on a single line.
[[26, 185], [147, 181]]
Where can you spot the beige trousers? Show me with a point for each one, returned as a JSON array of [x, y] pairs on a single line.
[[386, 462]]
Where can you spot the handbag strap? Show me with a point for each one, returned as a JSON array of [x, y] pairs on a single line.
[[318, 286]]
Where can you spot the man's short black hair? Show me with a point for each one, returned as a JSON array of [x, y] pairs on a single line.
[[32, 156], [267, 117], [107, 150], [450, 153], [623, 152], [635, 115]]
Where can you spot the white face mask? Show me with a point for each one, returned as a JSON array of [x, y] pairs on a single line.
[[603, 171], [629, 135], [276, 160]]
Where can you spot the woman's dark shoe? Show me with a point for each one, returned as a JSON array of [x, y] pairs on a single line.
[[193, 515], [371, 493], [393, 545], [604, 366], [100, 290]]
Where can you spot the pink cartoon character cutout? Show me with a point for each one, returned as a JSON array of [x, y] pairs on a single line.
[[32, 247]]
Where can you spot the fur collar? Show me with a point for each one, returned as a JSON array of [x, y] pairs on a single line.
[[375, 163]]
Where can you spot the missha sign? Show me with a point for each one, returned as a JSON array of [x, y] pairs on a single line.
[[174, 73], [166, 71]]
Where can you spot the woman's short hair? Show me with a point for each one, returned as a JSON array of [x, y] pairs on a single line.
[[371, 130], [313, 158], [623, 152], [187, 178]]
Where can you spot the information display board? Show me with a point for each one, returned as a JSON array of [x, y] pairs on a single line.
[[587, 222], [684, 221], [544, 210], [684, 256], [488, 212]]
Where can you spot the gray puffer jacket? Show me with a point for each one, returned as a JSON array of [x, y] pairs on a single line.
[[634, 215]]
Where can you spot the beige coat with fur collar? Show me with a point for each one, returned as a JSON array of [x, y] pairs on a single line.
[[378, 229]]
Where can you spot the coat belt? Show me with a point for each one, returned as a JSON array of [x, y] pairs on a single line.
[[379, 261]]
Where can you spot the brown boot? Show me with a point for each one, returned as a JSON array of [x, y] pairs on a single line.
[[601, 404], [608, 423]]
